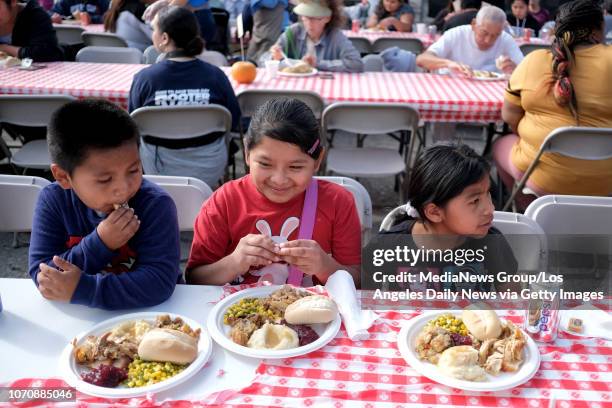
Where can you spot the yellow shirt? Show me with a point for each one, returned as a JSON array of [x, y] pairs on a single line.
[[530, 87]]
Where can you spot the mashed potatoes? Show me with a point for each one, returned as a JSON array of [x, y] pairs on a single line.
[[274, 337]]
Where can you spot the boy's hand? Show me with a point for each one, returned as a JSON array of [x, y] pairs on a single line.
[[276, 52], [118, 228], [254, 250], [58, 284], [309, 257]]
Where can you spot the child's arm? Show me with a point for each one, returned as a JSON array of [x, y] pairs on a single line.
[[155, 270], [252, 250]]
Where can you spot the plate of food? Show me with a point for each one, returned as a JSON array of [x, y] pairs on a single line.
[[298, 69], [135, 354], [480, 75], [474, 350], [274, 322]]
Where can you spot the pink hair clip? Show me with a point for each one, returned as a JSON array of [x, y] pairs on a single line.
[[314, 147]]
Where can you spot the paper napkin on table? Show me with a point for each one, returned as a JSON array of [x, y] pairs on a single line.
[[341, 288]]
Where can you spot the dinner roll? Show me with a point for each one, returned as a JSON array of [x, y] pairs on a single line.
[[482, 324], [461, 362], [310, 310], [168, 345]]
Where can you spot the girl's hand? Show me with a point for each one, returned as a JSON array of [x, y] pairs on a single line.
[[309, 257], [254, 250], [310, 60], [276, 52], [385, 23]]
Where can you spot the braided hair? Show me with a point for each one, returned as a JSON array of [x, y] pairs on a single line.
[[576, 23]]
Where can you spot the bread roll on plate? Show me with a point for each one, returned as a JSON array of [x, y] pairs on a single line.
[[168, 345], [483, 324], [311, 310], [462, 362]]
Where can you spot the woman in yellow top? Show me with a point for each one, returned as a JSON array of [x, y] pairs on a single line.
[[566, 86]]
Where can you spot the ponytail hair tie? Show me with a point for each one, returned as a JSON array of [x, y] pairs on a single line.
[[411, 211]]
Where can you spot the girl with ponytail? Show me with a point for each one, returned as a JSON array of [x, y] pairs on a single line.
[[567, 85], [180, 80]]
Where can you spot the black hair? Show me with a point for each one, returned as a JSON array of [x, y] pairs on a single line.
[[80, 126], [287, 120], [380, 10], [442, 172], [183, 29], [467, 4], [607, 6], [526, 2], [576, 23]]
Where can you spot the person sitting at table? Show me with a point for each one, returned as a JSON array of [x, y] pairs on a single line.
[[101, 235], [183, 79], [519, 18], [82, 10], [539, 13], [565, 86], [449, 207], [26, 32], [469, 9], [475, 46], [318, 40], [392, 15], [124, 18], [250, 225], [607, 7]]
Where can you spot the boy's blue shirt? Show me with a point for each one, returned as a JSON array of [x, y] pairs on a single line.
[[142, 273]]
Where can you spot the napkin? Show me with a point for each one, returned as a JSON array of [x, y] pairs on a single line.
[[341, 288]]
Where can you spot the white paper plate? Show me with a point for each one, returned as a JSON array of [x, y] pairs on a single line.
[[595, 322], [497, 77], [70, 370], [296, 75], [406, 341], [220, 331]]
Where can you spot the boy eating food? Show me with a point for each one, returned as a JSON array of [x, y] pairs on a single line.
[[101, 235]]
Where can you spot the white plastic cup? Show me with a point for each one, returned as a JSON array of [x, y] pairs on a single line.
[[421, 28], [272, 68]]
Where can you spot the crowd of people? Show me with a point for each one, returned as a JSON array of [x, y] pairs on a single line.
[[101, 215]]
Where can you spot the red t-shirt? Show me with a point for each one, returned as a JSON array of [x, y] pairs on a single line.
[[233, 210]]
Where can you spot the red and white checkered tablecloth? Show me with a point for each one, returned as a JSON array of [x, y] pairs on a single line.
[[373, 35], [371, 373], [81, 80], [438, 98]]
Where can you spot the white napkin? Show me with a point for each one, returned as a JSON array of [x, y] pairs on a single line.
[[341, 288]]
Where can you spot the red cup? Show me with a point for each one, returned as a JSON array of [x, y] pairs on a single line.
[[527, 34], [355, 26]]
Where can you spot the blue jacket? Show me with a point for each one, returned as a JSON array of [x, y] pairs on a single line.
[[142, 273], [95, 8]]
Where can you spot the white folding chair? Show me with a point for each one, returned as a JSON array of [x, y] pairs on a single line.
[[363, 118], [114, 55], [183, 122], [525, 237], [68, 34], [150, 55], [103, 39], [214, 58], [251, 99], [19, 195], [188, 194], [363, 202], [33, 111], [409, 44], [363, 45], [576, 224], [586, 143], [373, 63]]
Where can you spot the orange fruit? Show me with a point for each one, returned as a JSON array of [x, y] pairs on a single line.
[[244, 72]]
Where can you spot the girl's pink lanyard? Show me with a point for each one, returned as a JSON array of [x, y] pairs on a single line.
[[306, 227]]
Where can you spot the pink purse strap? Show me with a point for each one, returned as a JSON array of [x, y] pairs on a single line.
[[306, 227]]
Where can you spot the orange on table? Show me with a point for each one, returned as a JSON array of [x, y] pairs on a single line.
[[244, 72]]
